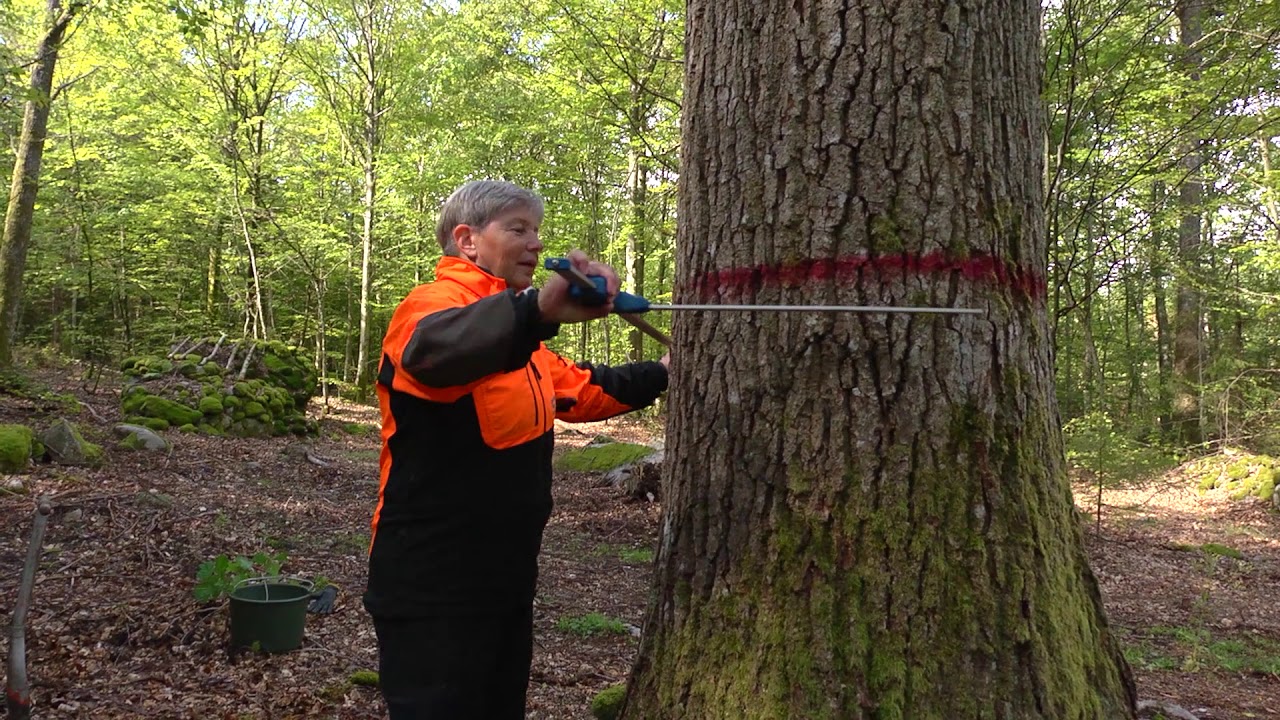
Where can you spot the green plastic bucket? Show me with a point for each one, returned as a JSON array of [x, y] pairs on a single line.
[[269, 613]]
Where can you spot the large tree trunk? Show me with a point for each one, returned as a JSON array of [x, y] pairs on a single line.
[[868, 516], [1188, 313], [26, 176]]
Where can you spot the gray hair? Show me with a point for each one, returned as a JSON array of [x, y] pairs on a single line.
[[477, 203]]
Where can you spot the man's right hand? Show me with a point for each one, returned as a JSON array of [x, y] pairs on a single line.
[[554, 303]]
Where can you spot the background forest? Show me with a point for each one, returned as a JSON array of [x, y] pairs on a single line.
[[271, 168]]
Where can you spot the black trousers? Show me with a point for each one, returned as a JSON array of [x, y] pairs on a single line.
[[456, 666]]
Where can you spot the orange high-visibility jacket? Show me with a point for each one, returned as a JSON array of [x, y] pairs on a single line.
[[469, 394]]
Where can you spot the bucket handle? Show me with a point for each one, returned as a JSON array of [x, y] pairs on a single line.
[[276, 580]]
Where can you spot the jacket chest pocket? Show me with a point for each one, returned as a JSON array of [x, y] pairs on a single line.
[[515, 407]]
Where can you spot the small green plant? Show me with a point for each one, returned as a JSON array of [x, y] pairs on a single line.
[[1210, 549], [367, 678], [625, 553], [351, 543], [637, 556], [352, 428], [591, 624], [218, 577]]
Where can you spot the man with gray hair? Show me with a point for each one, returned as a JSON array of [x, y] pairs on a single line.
[[469, 395]]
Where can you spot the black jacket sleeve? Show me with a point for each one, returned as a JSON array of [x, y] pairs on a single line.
[[460, 345]]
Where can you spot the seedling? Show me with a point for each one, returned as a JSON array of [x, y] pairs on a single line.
[[216, 578]]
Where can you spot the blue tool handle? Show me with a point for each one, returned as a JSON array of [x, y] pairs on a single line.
[[592, 290]]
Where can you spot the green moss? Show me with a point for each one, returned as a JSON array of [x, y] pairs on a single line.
[[1238, 469], [15, 448], [274, 364], [367, 678], [157, 424], [242, 389], [189, 427], [173, 412], [210, 405], [597, 458], [1221, 551], [253, 408], [886, 237], [131, 442], [607, 703]]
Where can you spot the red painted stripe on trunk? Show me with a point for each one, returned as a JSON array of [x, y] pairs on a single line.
[[980, 268]]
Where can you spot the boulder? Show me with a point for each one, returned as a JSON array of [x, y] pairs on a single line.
[[639, 480], [65, 445], [140, 438]]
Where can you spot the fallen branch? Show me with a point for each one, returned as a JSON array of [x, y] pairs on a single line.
[[17, 686], [317, 459], [92, 412], [231, 360], [1159, 708], [216, 345], [244, 368], [178, 348]]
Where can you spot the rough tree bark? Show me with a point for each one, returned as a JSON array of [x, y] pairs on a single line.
[[26, 174], [867, 516]]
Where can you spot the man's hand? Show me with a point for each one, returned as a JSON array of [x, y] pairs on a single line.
[[666, 360], [553, 298]]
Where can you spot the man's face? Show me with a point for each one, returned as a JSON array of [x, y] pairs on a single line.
[[507, 247]]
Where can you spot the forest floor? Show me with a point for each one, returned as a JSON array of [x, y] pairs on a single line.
[[1189, 581]]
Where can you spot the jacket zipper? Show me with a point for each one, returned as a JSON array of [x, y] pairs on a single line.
[[537, 416], [542, 399]]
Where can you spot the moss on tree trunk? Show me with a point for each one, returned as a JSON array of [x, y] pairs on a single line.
[[867, 516]]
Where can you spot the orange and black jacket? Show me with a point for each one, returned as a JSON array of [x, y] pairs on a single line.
[[469, 394]]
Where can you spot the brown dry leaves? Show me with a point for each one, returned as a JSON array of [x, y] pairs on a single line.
[[114, 631]]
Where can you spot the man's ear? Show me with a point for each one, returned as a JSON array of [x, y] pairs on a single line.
[[465, 240]]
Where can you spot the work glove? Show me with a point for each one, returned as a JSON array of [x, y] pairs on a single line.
[[322, 600]]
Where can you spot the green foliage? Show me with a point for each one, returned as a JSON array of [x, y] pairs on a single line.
[[591, 624], [216, 578], [365, 678], [596, 458], [607, 704], [1095, 444]]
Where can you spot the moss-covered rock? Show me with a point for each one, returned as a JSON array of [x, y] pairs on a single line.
[[253, 408], [608, 702], [67, 446], [15, 448], [598, 458], [210, 405], [1237, 474]]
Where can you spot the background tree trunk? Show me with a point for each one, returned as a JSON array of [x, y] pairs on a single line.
[[868, 516], [1188, 314], [26, 176]]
